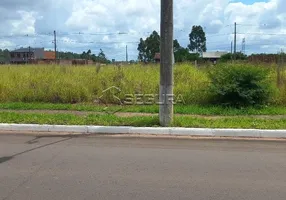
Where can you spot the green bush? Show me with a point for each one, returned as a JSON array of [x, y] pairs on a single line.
[[240, 85], [230, 56]]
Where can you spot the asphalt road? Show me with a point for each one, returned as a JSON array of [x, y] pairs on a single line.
[[131, 168]]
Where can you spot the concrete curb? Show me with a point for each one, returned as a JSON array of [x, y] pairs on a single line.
[[203, 132]]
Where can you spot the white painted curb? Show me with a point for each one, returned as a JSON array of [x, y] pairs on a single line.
[[255, 133]]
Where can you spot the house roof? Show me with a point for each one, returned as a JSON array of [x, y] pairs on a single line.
[[49, 55], [216, 54], [23, 50]]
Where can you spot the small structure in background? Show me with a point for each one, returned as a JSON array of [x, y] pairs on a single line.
[[32, 55], [157, 57], [213, 56], [40, 56]]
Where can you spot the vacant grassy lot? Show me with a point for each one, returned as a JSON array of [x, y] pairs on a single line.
[[78, 88], [59, 84], [85, 84]]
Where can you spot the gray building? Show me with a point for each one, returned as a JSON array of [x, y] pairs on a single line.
[[213, 56], [26, 55]]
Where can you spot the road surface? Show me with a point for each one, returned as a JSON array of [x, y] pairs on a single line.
[[100, 167]]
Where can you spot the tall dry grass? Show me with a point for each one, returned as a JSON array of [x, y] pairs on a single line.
[[77, 84]]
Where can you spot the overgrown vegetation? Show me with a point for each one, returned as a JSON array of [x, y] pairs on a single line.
[[231, 56], [249, 84], [66, 84], [241, 85]]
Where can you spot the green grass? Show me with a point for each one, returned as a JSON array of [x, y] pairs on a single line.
[[236, 123], [69, 119], [145, 121], [85, 84], [78, 107], [229, 111], [179, 109]]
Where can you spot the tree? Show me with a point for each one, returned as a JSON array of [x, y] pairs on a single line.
[[197, 40], [4, 56], [69, 55], [101, 57], [149, 47], [88, 54], [83, 55], [182, 54], [142, 51], [152, 45], [177, 46]]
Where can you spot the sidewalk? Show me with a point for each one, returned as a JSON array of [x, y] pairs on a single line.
[[55, 130]]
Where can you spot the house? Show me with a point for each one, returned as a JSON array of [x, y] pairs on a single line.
[[213, 56], [31, 55], [157, 57]]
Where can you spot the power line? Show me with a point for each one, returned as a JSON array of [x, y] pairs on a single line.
[[261, 33], [254, 25], [94, 34]]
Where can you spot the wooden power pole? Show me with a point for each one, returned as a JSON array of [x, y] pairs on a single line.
[[167, 61]]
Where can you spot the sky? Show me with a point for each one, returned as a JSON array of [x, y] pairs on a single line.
[[110, 25]]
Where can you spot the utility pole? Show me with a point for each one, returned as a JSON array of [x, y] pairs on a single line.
[[167, 60], [29, 58], [235, 41], [243, 46], [126, 53], [55, 43]]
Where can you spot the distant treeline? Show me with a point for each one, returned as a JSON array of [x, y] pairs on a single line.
[[181, 55], [100, 57]]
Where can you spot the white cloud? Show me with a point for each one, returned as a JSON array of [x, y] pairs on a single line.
[[260, 23], [24, 26], [6, 44]]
